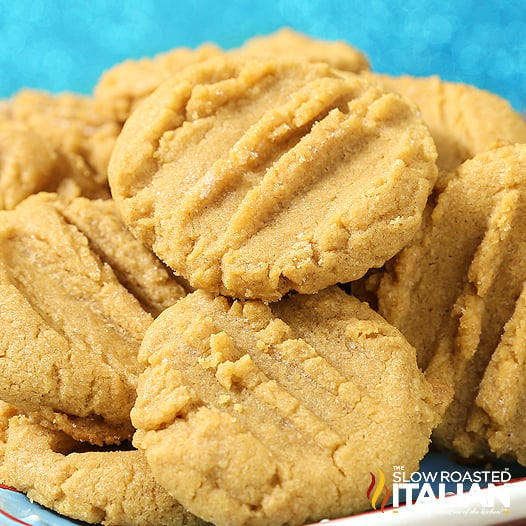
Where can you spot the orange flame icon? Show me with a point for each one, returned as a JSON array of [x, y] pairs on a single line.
[[377, 492]]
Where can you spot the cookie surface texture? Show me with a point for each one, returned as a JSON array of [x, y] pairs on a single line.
[[120, 89], [136, 267], [74, 125], [500, 406], [70, 329], [28, 164], [7, 411], [453, 291], [252, 413], [464, 120], [254, 178], [112, 488]]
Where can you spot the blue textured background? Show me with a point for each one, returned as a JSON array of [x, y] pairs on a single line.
[[65, 44]]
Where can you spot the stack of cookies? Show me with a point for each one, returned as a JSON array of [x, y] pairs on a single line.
[[235, 283]]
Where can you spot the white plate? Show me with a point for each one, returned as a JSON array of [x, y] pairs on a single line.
[[497, 505]]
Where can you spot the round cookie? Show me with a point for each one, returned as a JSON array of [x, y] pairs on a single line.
[[454, 289], [73, 125], [30, 164], [70, 329], [464, 120], [267, 414], [27, 163], [251, 179], [288, 43], [500, 406], [111, 488]]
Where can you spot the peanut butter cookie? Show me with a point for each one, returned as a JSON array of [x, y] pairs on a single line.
[[500, 412], [70, 329], [29, 164], [288, 43], [73, 125], [96, 486], [251, 179], [454, 289], [257, 414]]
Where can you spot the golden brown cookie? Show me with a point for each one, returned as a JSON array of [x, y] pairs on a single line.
[[136, 267], [254, 178], [73, 125], [464, 120], [120, 89], [95, 486], [288, 43], [454, 289], [70, 329], [256, 414], [30, 164], [500, 412]]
